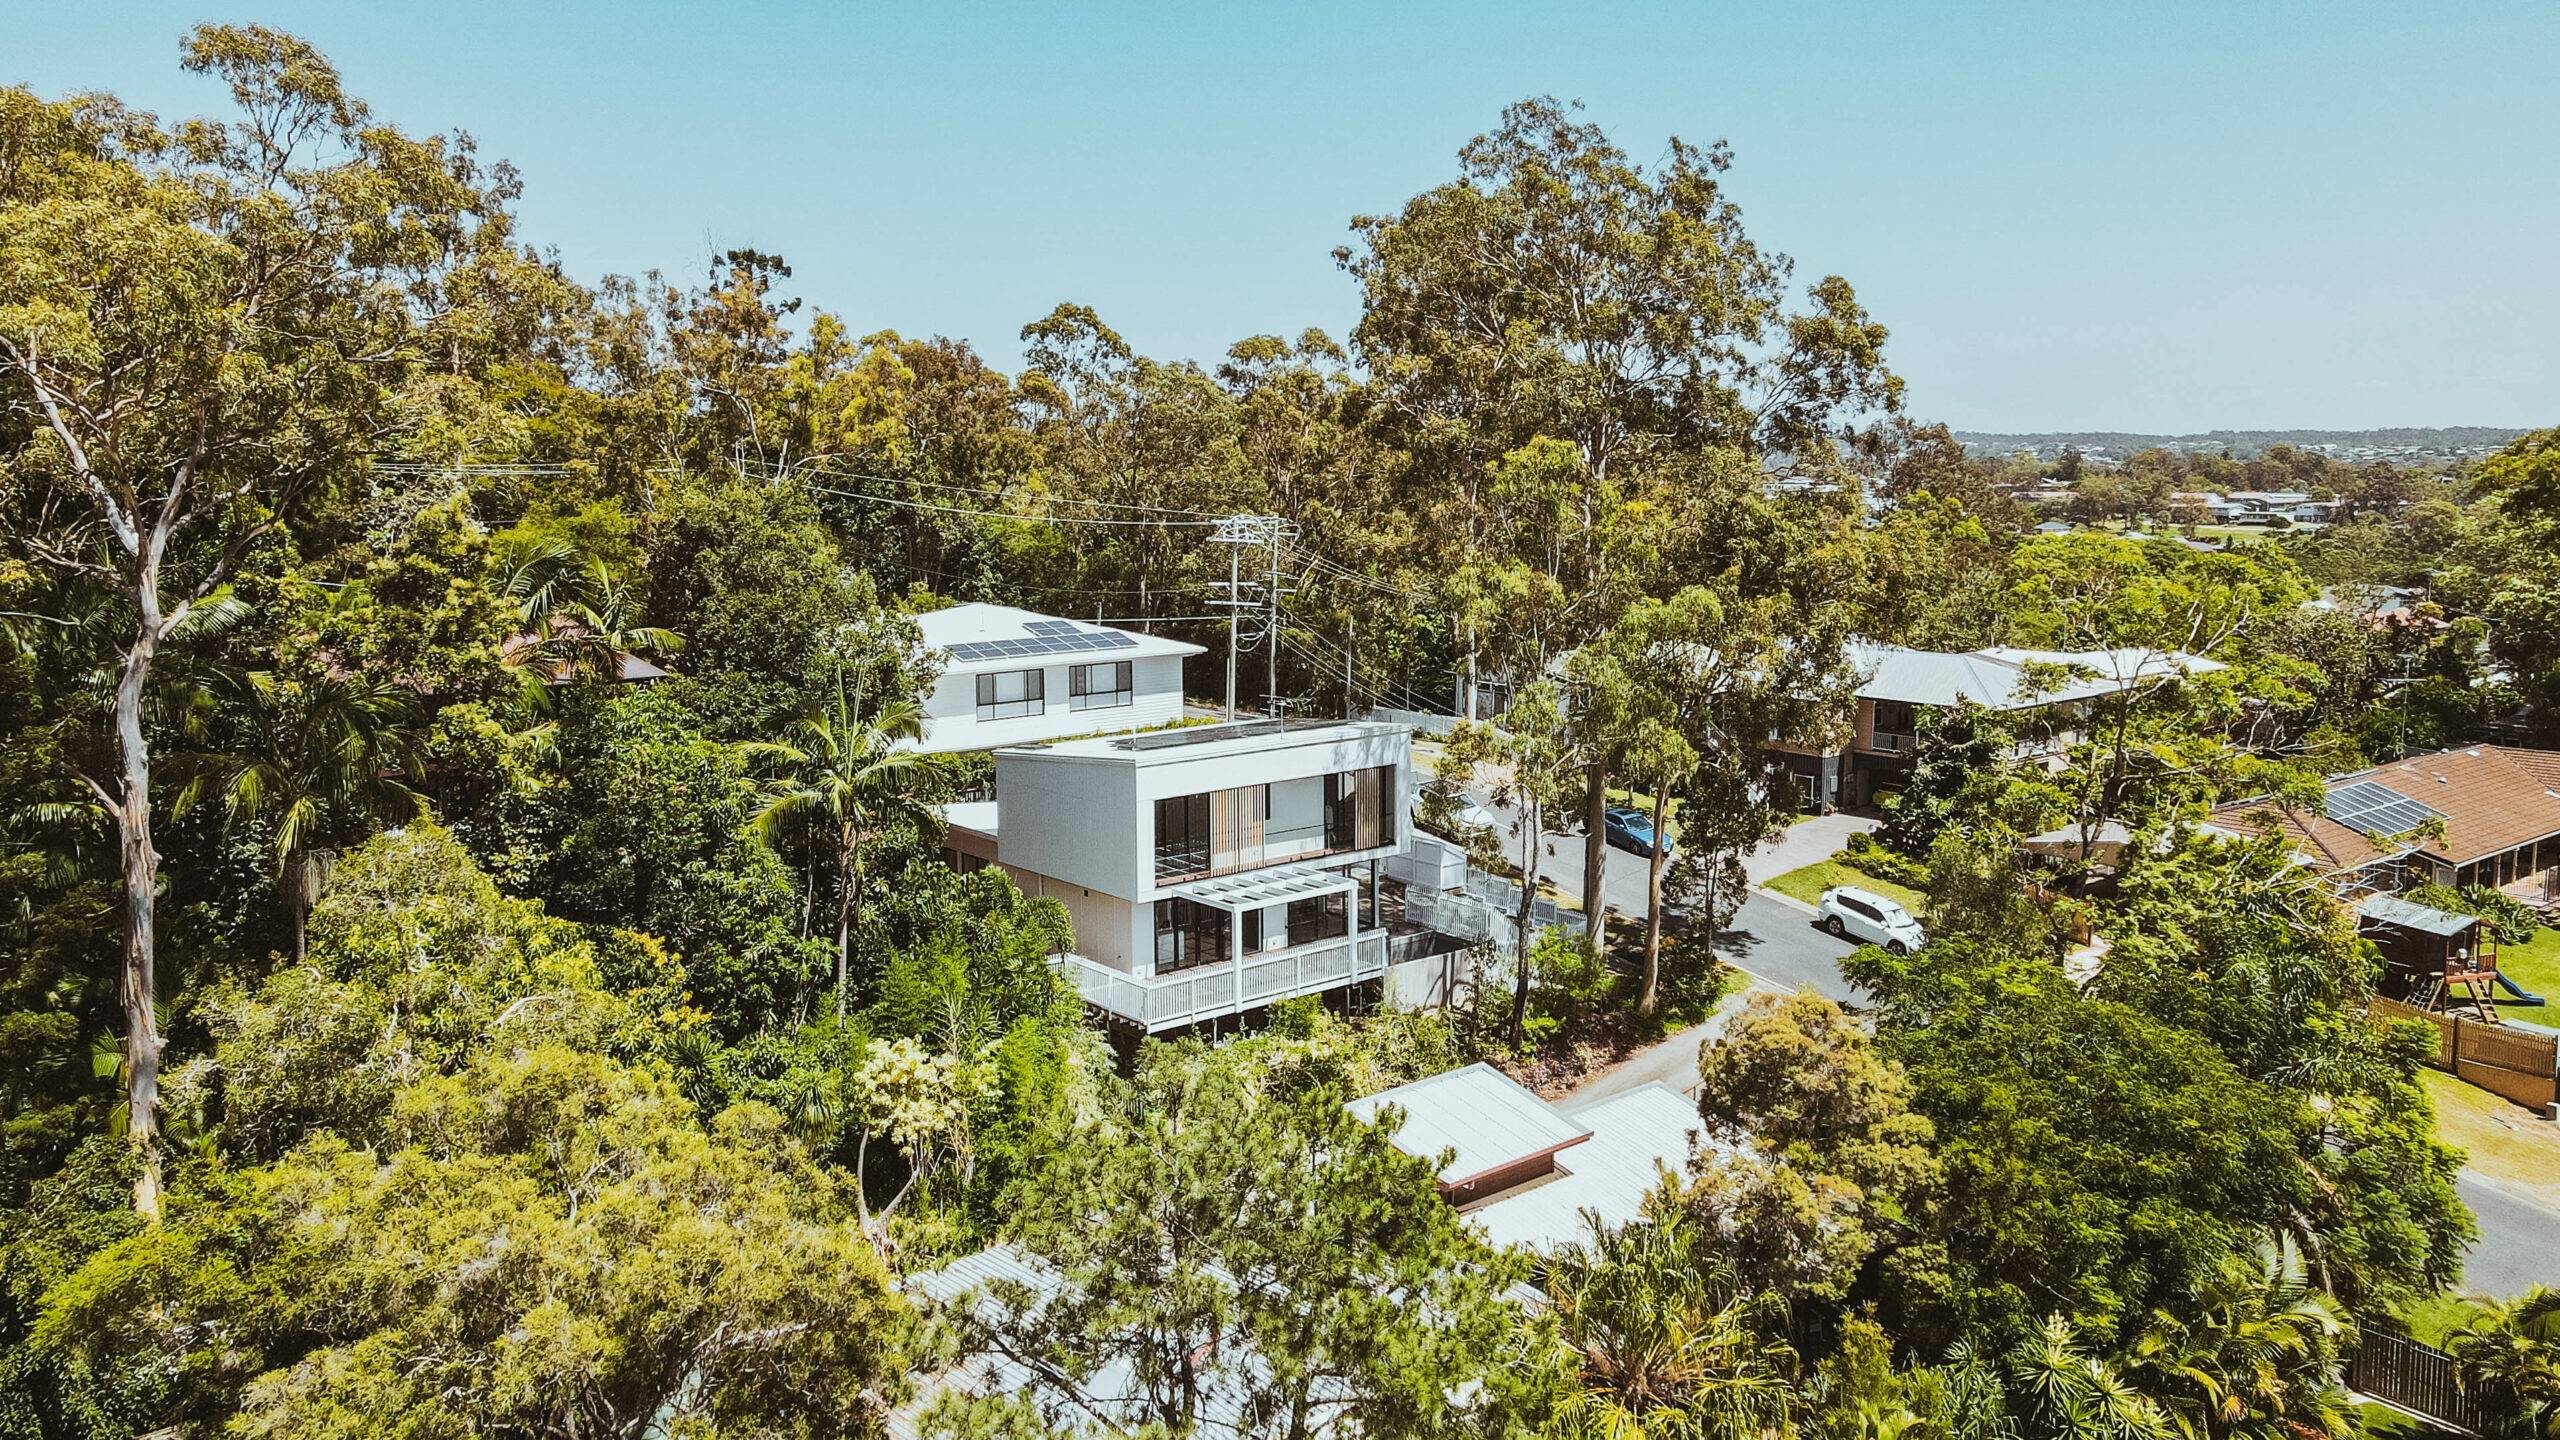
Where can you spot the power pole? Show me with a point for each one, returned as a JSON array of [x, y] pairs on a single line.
[[1272, 696], [1236, 532], [1350, 642]]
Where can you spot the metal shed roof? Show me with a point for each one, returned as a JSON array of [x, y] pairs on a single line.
[[2410, 915], [1635, 1138], [1485, 1116]]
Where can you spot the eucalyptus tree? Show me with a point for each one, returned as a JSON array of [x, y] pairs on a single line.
[[1558, 289], [202, 328]]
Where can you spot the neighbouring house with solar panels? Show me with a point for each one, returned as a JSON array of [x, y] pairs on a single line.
[[2479, 815], [1013, 676], [1210, 870], [1898, 685]]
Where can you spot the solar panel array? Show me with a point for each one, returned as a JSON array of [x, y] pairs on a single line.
[[2377, 809], [1044, 637]]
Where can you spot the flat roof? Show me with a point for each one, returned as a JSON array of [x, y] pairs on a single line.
[[1231, 737], [977, 815], [1487, 1118], [982, 637]]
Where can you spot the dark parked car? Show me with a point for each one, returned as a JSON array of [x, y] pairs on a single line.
[[1631, 830]]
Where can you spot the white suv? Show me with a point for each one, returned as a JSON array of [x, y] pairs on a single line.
[[1848, 911]]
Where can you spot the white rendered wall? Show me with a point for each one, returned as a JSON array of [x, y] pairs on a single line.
[[951, 706]]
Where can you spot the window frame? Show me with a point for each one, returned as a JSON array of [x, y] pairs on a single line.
[[1034, 699], [1123, 691]]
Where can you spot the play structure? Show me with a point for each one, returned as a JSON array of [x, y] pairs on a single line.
[[2435, 959]]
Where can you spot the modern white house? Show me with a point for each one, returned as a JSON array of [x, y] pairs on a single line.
[[1014, 676], [1209, 870]]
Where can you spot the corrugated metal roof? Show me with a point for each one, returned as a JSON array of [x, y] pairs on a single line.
[[1111, 1400], [1997, 677], [1483, 1115], [1635, 1138], [2410, 915]]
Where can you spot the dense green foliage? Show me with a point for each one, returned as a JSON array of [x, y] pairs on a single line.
[[407, 1026]]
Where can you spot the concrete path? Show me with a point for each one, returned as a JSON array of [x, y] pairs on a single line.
[[1808, 841], [1672, 1061]]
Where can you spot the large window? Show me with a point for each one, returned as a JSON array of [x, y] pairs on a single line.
[[1356, 808], [1182, 837], [1189, 934], [1223, 831], [1099, 687], [1012, 693], [1325, 917]]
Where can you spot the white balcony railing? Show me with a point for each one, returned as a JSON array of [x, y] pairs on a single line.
[[1891, 742], [1205, 992]]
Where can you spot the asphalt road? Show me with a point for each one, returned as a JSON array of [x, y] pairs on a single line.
[[1777, 945], [2519, 1245]]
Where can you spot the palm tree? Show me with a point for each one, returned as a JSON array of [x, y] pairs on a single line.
[[2257, 1353], [579, 616], [1670, 1345], [2510, 1355], [311, 755], [2064, 1392], [855, 774]]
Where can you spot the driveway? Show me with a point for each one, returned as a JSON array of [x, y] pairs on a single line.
[[1810, 840]]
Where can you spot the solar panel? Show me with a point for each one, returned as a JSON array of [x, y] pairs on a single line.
[[2377, 809], [1050, 627]]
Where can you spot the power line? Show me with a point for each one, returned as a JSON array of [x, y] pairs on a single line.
[[1000, 515]]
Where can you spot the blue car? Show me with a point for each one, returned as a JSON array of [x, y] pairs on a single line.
[[1631, 830]]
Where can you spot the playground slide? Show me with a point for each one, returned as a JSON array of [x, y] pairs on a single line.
[[2523, 996]]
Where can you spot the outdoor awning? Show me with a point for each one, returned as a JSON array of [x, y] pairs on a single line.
[[1255, 889]]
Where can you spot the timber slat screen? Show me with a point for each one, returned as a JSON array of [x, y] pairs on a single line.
[[2418, 1377], [2518, 1063]]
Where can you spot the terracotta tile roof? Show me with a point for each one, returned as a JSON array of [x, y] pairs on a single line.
[[2493, 798]]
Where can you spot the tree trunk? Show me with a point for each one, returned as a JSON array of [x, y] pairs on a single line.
[[1650, 995], [141, 868], [1595, 852], [1529, 822], [844, 915], [294, 889]]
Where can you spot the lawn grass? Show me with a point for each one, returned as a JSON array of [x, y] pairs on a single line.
[[2503, 1139], [2535, 966], [1808, 884]]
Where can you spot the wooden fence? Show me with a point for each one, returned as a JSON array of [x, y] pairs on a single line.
[[2400, 1371], [2521, 1064]]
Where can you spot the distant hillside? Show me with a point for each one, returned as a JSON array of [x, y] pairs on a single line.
[[2391, 442]]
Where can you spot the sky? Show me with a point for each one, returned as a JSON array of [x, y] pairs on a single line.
[[2148, 217]]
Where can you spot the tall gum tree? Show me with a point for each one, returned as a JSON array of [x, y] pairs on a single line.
[[203, 328], [1558, 288]]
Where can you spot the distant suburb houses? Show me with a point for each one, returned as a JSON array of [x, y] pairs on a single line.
[[1900, 685]]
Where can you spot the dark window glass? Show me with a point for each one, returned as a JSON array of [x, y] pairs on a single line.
[[1324, 917], [1099, 687], [1182, 836], [1011, 693], [1189, 935]]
